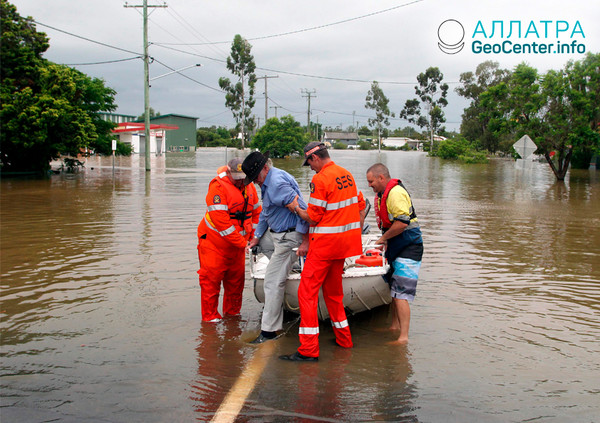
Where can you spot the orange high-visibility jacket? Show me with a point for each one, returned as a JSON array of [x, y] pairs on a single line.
[[333, 204], [231, 215]]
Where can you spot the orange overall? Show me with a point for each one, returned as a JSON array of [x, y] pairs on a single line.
[[333, 204], [229, 222]]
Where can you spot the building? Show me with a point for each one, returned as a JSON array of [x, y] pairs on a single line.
[[181, 136], [184, 137], [401, 142], [116, 118], [134, 133], [348, 138]]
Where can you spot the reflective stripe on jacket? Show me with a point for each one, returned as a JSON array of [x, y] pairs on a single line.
[[333, 204], [231, 214]]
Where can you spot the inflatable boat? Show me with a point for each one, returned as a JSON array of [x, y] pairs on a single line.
[[364, 287]]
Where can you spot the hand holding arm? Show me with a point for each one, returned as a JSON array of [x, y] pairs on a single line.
[[292, 206]]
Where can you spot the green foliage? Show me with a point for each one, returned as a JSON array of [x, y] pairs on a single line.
[[214, 137], [364, 145], [123, 149], [364, 130], [47, 109], [340, 146], [474, 125], [377, 101], [460, 149], [280, 137], [239, 96], [452, 148], [473, 157], [426, 111], [151, 113], [560, 111]]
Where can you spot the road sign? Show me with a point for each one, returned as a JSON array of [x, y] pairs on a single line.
[[525, 147]]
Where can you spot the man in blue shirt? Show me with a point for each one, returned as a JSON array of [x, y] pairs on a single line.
[[287, 230]]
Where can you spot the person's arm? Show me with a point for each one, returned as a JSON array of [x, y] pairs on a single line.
[[261, 228], [295, 208], [303, 248], [396, 229]]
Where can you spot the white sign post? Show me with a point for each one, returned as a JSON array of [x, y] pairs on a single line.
[[114, 148], [525, 147]]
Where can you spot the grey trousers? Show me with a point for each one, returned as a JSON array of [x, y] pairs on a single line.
[[278, 269]]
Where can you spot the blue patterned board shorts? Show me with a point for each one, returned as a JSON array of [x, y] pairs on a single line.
[[404, 278]]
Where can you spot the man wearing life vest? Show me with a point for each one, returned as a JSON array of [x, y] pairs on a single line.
[[232, 211], [397, 219], [335, 234]]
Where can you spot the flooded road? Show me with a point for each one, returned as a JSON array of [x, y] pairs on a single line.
[[101, 322]]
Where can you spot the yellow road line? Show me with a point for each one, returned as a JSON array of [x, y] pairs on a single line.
[[235, 399]]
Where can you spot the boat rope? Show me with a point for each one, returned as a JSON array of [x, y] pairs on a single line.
[[380, 297], [361, 300], [290, 307]]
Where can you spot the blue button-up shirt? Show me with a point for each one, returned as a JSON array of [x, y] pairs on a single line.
[[279, 189]]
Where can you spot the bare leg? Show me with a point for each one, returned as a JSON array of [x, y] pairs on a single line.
[[402, 311], [395, 322]]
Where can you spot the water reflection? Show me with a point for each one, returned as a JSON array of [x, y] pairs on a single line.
[[221, 358], [101, 311]]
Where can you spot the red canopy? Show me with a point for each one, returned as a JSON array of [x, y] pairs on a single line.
[[139, 126]]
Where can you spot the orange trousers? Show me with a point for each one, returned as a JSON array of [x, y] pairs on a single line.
[[326, 274], [220, 267]]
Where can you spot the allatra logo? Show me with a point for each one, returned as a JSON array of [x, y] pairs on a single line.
[[451, 35]]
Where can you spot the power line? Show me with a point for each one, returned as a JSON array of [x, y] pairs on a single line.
[[305, 75], [311, 28], [86, 39], [185, 76], [139, 56], [102, 63]]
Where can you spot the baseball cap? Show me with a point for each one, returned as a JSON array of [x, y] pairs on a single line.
[[235, 168], [311, 148]]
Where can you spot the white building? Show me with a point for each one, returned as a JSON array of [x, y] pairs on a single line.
[[401, 142], [133, 133]]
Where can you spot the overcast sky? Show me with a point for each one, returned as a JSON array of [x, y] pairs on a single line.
[[333, 48]]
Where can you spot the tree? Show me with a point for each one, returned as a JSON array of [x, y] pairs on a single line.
[[560, 111], [47, 109], [473, 126], [151, 112], [583, 83], [430, 100], [377, 101], [240, 63], [280, 137], [213, 137], [364, 130]]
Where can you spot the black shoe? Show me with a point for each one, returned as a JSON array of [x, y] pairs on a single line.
[[263, 337], [298, 357]]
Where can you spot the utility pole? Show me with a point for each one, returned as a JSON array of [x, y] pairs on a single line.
[[266, 96], [275, 107], [145, 7], [309, 94]]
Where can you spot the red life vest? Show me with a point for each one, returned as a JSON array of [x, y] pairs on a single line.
[[381, 213], [231, 214]]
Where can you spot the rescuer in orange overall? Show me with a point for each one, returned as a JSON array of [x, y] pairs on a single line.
[[232, 211], [335, 234]]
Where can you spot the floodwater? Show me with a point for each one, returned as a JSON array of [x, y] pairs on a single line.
[[101, 305]]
